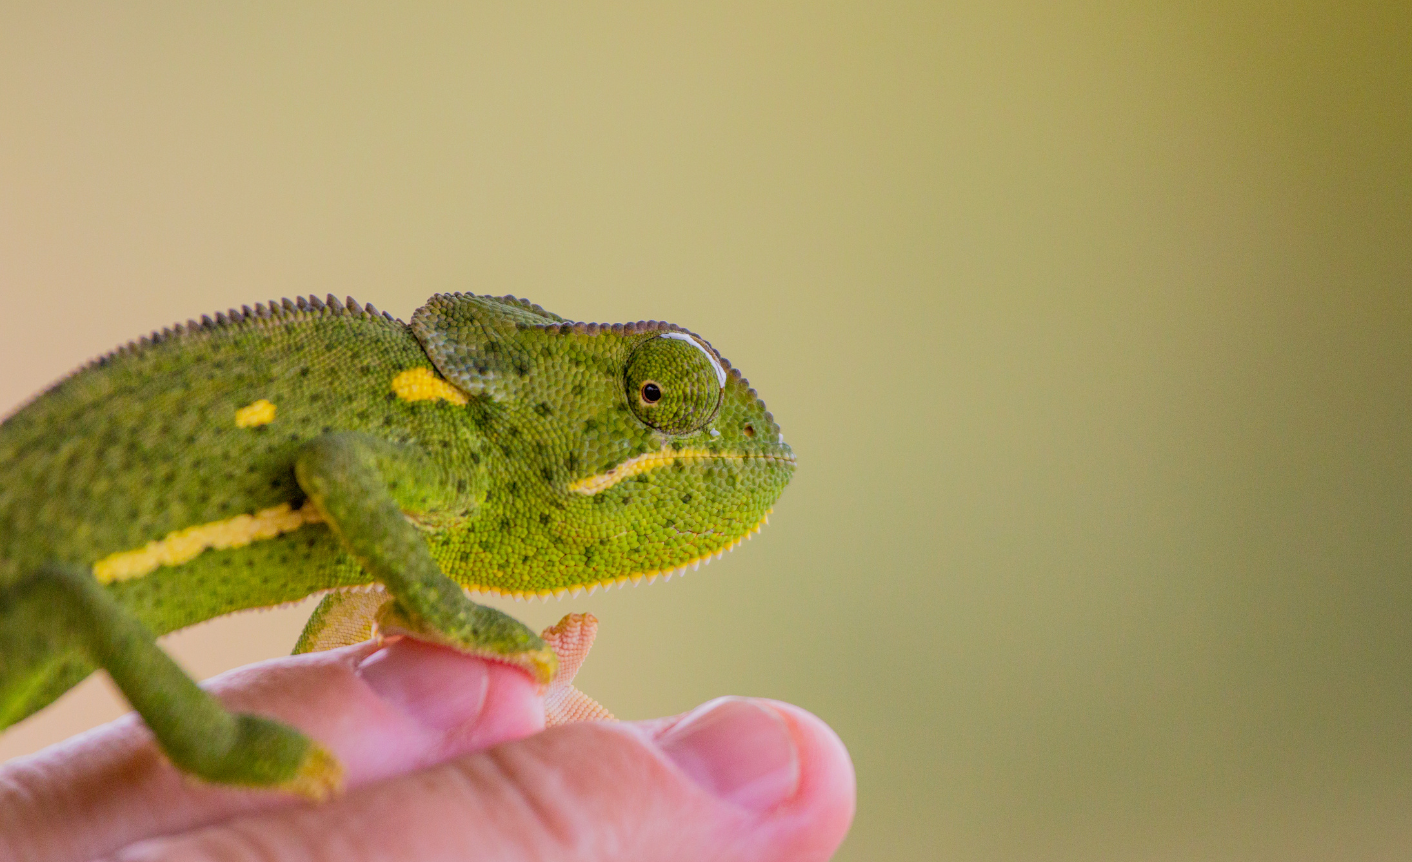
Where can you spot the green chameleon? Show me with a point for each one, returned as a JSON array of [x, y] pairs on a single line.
[[321, 446]]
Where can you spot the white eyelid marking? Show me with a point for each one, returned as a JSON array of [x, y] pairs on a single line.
[[715, 363]]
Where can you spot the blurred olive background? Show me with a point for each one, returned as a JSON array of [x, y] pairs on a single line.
[[1091, 324]]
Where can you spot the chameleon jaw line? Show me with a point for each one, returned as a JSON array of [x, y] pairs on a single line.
[[621, 580], [590, 485]]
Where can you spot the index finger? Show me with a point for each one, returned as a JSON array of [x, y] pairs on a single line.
[[382, 711]]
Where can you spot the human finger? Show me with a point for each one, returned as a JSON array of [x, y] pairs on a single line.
[[737, 779], [382, 711]]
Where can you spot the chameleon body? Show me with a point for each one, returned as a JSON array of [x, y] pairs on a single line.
[[301, 447]]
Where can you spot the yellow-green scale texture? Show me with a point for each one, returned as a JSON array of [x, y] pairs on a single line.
[[145, 442], [560, 406], [279, 451]]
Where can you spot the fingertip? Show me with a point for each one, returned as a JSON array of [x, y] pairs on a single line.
[[818, 816], [467, 702], [435, 687], [780, 767], [513, 708]]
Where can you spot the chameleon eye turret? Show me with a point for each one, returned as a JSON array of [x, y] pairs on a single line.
[[674, 383]]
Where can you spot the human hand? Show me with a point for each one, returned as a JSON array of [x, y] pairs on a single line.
[[445, 762]]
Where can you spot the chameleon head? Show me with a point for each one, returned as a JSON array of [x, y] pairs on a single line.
[[622, 451]]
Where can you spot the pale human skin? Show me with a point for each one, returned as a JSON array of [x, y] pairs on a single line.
[[446, 761]]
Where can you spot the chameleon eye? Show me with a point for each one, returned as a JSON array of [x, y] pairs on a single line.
[[674, 383]]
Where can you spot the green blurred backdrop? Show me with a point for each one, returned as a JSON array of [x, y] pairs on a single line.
[[1090, 322]]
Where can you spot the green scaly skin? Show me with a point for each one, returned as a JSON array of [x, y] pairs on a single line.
[[507, 467]]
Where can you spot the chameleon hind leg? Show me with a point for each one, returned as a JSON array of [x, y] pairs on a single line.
[[364, 486], [343, 618], [61, 611]]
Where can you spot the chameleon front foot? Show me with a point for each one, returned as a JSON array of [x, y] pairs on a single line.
[[483, 632]]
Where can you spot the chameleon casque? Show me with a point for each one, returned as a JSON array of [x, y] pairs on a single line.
[[319, 446]]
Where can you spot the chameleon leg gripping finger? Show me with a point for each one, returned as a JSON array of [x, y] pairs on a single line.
[[354, 479]]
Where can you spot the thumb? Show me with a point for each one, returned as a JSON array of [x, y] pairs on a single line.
[[737, 779]]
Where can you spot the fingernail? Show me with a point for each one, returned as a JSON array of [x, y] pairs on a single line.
[[738, 749], [438, 687]]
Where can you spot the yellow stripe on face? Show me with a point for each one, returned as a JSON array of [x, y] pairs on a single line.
[[254, 414], [591, 485], [422, 384], [185, 545]]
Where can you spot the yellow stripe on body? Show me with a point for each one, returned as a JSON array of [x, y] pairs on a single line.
[[422, 384], [254, 414], [185, 545], [591, 485]]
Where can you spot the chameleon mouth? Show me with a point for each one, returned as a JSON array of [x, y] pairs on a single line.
[[622, 580], [599, 482]]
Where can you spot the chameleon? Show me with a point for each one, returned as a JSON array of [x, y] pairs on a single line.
[[321, 447]]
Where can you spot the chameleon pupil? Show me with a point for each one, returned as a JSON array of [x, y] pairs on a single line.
[[674, 383]]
